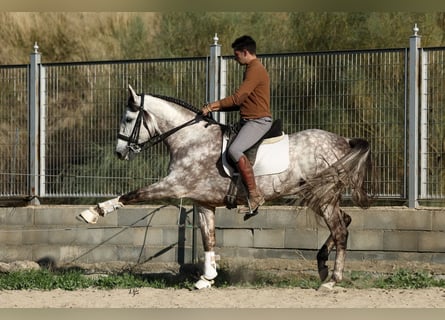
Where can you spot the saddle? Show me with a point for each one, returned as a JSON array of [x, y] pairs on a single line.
[[276, 130], [270, 155]]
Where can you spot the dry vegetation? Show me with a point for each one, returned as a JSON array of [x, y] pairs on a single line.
[[82, 36], [74, 36]]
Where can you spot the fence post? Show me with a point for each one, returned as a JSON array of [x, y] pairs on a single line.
[[413, 130], [33, 126], [217, 77], [423, 130]]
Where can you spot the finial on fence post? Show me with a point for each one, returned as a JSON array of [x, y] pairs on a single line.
[[215, 39], [36, 47], [415, 29]]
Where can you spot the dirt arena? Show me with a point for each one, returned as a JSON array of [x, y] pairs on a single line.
[[236, 297]]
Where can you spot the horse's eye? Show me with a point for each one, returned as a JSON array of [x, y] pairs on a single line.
[[128, 120]]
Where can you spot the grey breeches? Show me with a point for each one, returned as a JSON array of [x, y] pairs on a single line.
[[251, 131]]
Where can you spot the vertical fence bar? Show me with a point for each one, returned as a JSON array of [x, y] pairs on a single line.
[[42, 130], [33, 124], [413, 136]]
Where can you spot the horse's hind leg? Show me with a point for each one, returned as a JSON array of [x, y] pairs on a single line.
[[336, 223], [325, 250]]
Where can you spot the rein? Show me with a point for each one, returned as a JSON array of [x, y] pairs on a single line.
[[134, 137]]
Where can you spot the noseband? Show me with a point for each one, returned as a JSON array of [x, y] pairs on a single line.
[[132, 140]]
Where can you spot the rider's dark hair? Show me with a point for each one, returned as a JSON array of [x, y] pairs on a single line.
[[244, 42]]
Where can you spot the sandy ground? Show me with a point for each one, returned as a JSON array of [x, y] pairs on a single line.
[[225, 298], [236, 297]]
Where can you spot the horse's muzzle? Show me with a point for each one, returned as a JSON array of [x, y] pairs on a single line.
[[122, 155]]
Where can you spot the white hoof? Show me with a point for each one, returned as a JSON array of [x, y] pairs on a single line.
[[327, 286], [89, 216], [203, 283]]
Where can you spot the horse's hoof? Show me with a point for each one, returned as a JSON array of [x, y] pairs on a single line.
[[328, 286], [203, 283], [89, 216], [323, 273]]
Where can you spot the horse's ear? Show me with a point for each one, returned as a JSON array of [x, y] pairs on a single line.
[[132, 93]]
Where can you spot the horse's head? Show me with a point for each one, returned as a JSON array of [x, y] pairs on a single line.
[[136, 127]]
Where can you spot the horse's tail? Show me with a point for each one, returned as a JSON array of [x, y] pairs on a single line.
[[350, 171]]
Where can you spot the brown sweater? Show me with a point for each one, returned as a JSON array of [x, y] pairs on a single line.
[[253, 95]]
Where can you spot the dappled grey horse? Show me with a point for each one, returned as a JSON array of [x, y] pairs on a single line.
[[318, 167]]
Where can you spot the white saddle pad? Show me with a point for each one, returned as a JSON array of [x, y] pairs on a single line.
[[272, 156]]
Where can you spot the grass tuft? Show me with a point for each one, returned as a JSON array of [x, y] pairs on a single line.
[[76, 279]]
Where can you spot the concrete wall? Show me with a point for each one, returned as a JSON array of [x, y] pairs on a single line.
[[166, 234]]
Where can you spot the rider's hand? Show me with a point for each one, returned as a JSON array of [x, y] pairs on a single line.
[[206, 109]]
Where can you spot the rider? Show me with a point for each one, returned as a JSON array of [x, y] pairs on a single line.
[[252, 99]]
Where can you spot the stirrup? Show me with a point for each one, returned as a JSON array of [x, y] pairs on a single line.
[[249, 209]]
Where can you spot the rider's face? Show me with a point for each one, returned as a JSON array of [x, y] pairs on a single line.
[[240, 56]]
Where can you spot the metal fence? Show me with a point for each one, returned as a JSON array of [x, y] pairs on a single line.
[[362, 93], [14, 130]]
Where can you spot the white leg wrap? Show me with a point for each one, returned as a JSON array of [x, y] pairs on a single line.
[[210, 272], [109, 206], [209, 265], [91, 215], [203, 283], [328, 286]]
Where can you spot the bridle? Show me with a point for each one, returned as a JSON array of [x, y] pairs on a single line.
[[133, 138]]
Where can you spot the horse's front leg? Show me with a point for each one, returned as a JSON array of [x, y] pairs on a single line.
[[207, 227], [161, 190]]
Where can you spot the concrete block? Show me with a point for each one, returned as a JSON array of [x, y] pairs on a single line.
[[322, 236], [268, 238], [226, 218], [175, 235], [102, 253], [12, 236], [396, 219], [379, 220], [438, 220], [136, 236], [280, 217], [57, 215], [56, 236], [400, 240], [236, 238], [358, 217], [69, 253], [9, 253], [35, 236], [365, 240], [17, 216], [438, 258], [140, 216], [300, 238], [90, 236], [157, 254], [432, 241], [414, 220]]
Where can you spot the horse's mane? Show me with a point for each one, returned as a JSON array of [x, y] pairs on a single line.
[[188, 106], [177, 101]]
